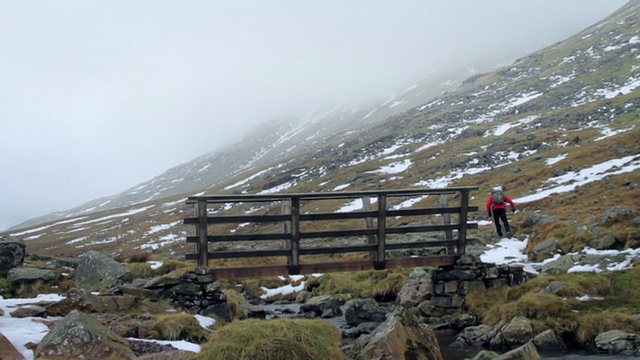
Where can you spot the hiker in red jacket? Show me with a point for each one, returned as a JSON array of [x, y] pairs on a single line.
[[497, 209]]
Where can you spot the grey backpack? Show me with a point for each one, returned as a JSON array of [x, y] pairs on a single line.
[[498, 195]]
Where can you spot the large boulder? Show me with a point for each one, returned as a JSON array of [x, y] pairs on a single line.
[[97, 271], [11, 252], [401, 336], [79, 336]]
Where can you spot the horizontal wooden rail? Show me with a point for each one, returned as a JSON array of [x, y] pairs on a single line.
[[379, 225]]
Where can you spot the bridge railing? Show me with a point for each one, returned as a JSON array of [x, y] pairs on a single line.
[[293, 221]]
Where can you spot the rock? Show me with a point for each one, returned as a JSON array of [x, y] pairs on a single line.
[[401, 336], [617, 342], [79, 336], [554, 288], [29, 275], [615, 213], [548, 340], [12, 250], [559, 266], [319, 305], [303, 296], [517, 332], [168, 355], [473, 336], [535, 219], [8, 351], [83, 300], [359, 311], [129, 325], [416, 289], [28, 311], [485, 355], [524, 352], [607, 242], [162, 281], [545, 249], [97, 271]]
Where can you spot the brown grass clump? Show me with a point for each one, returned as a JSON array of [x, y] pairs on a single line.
[[180, 326], [279, 339], [590, 325], [141, 270], [374, 284], [139, 257], [237, 304]]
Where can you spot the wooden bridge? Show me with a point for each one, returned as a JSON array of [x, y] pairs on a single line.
[[385, 226]]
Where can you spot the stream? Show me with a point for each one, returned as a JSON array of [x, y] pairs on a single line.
[[445, 338]]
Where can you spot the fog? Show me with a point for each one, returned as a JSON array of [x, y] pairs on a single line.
[[99, 96]]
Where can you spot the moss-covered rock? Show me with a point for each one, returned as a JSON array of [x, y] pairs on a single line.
[[79, 336]]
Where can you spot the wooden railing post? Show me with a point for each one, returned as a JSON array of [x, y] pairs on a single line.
[[446, 217], [286, 225], [464, 210], [382, 231], [368, 223], [203, 241], [294, 266]]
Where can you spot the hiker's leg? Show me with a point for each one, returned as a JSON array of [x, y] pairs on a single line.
[[496, 220], [505, 221]]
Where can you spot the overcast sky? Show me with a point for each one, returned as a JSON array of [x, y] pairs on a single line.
[[99, 96]]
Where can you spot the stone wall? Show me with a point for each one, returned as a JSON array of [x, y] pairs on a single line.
[[451, 285]]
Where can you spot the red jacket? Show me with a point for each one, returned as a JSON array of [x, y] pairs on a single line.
[[491, 205]]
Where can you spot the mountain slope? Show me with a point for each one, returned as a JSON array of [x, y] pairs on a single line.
[[570, 108]]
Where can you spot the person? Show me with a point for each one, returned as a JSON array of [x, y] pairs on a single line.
[[497, 209]]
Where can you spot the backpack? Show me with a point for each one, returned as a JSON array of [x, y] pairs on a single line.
[[498, 195]]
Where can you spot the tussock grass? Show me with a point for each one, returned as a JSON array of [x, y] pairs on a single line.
[[374, 284], [590, 325], [236, 304], [180, 326], [139, 257], [141, 270], [279, 339]]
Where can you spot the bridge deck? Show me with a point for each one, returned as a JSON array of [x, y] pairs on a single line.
[[332, 266]]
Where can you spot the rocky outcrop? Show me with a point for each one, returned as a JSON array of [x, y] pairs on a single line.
[[97, 271], [79, 336], [12, 250], [618, 342], [401, 336]]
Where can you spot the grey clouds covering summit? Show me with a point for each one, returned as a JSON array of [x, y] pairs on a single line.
[[98, 96]]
